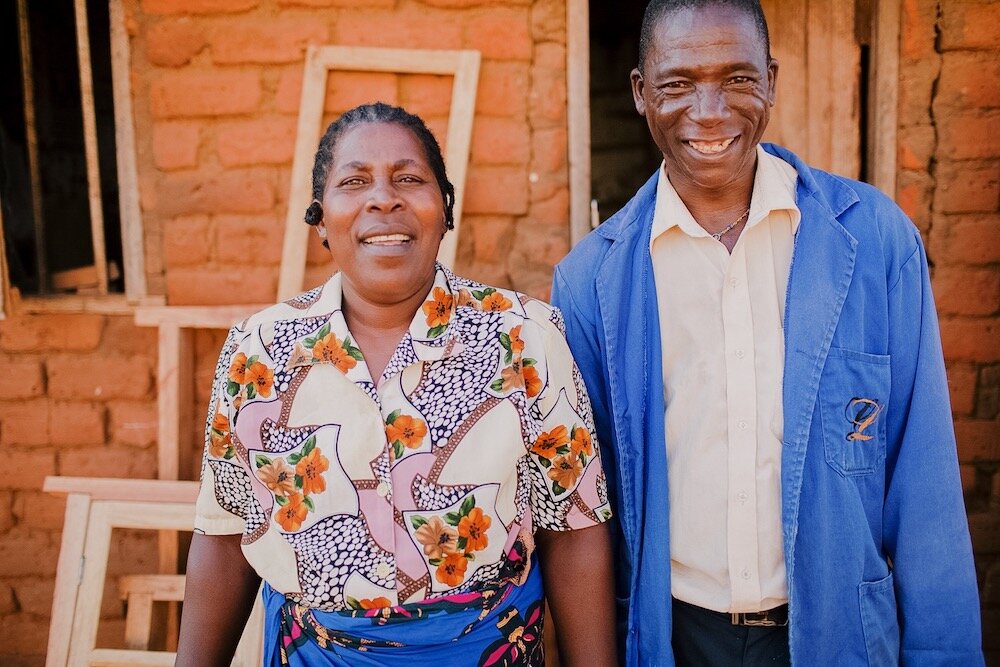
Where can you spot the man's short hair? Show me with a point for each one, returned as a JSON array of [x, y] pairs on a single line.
[[657, 9]]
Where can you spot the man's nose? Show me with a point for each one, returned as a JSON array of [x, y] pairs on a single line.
[[709, 105]]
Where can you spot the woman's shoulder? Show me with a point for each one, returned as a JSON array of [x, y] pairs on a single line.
[[297, 307], [529, 310]]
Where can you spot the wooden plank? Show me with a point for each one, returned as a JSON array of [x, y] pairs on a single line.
[[883, 96], [93, 569], [133, 248], [90, 146], [109, 304], [789, 120], [67, 577], [819, 106], [578, 117], [112, 488], [194, 317], [31, 139], [138, 621], [82, 278], [319, 60], [843, 85], [110, 657], [163, 587], [460, 119]]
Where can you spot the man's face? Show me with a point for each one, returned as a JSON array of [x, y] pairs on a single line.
[[706, 93]]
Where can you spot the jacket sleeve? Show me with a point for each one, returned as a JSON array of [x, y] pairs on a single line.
[[925, 530]]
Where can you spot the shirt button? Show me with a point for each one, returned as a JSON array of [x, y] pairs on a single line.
[[742, 496], [745, 573], [734, 282], [383, 570], [740, 354], [382, 489], [742, 425]]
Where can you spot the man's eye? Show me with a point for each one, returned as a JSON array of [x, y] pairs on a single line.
[[741, 81]]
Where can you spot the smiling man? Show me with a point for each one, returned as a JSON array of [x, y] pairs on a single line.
[[762, 351]]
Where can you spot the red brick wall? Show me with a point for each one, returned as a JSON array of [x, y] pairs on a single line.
[[949, 182]]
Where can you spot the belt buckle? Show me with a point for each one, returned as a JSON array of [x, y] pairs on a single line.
[[758, 619]]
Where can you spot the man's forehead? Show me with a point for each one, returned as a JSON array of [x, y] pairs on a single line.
[[713, 25]]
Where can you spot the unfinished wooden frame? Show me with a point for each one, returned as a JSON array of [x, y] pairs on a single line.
[[578, 117], [463, 65], [94, 507], [883, 96]]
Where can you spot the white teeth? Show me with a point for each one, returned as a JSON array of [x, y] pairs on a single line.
[[709, 147], [387, 239]]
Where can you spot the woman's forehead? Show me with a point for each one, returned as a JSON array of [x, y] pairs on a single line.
[[379, 143]]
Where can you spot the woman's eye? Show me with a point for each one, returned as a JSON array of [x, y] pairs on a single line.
[[409, 178], [354, 180]]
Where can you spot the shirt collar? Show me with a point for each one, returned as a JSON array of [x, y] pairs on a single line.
[[773, 190]]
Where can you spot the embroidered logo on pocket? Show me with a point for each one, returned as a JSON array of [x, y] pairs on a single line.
[[861, 413]]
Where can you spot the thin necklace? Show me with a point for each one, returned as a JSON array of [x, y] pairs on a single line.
[[718, 235]]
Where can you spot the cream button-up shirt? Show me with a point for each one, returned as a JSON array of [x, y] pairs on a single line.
[[721, 334]]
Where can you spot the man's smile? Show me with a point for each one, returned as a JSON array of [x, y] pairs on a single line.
[[710, 147]]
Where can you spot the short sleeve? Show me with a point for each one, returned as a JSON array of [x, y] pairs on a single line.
[[225, 485], [568, 487]]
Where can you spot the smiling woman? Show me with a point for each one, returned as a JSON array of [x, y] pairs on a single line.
[[387, 467]]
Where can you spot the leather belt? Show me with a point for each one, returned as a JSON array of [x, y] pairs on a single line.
[[776, 617]]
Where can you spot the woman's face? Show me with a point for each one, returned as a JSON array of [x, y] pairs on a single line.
[[383, 213]]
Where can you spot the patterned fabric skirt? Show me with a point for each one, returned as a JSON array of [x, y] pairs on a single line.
[[500, 626]]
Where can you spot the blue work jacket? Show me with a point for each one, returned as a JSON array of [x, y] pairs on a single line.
[[876, 541]]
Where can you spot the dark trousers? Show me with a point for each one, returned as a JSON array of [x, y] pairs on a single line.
[[703, 638]]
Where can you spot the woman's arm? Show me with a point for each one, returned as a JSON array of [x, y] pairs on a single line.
[[218, 595], [579, 584]]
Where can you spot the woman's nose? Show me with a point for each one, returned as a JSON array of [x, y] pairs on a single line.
[[384, 197]]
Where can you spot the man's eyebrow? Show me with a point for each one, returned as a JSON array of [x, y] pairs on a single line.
[[689, 71]]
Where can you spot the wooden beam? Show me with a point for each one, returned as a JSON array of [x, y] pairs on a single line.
[[194, 317], [113, 488], [133, 245], [116, 657], [578, 117], [68, 571], [883, 96]]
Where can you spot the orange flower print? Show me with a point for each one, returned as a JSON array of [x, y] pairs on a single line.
[[532, 383], [473, 528], [495, 301], [438, 309], [331, 349], [261, 377], [278, 476], [566, 470], [311, 468], [547, 443], [221, 440], [512, 377], [291, 515], [581, 443], [375, 603], [451, 571], [516, 344], [465, 298], [238, 369], [437, 538], [409, 431]]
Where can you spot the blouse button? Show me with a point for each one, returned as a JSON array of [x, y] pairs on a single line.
[[382, 489]]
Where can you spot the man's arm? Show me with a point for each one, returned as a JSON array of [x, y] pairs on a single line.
[[218, 595], [577, 573], [925, 529]]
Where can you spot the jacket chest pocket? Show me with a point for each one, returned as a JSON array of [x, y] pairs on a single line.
[[853, 396]]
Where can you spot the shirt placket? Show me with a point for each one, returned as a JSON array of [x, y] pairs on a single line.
[[741, 403], [384, 571]]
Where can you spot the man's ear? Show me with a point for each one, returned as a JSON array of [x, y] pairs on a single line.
[[637, 88], [772, 80]]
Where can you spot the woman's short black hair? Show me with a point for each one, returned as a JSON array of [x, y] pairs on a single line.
[[379, 112]]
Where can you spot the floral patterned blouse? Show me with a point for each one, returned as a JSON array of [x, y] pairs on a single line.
[[356, 494]]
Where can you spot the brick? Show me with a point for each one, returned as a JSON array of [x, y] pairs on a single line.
[[967, 187], [76, 423], [243, 239], [229, 191], [969, 79], [6, 523], [25, 423], [34, 594], [969, 135], [501, 141], [914, 194], [25, 639], [969, 24], [403, 29], [917, 29], [133, 551], [915, 147], [288, 92], [426, 94], [197, 6], [346, 90], [125, 337], [187, 240], [122, 462], [962, 388], [132, 423], [916, 95], [553, 211], [985, 531], [978, 440], [502, 89], [970, 339], [175, 145], [548, 21], [276, 40], [966, 291], [550, 55], [259, 141], [966, 239], [8, 605], [39, 510], [28, 469], [218, 286], [546, 186], [463, 4], [336, 3], [174, 42], [44, 333], [191, 94], [502, 190], [550, 150], [103, 377], [988, 393], [491, 237], [23, 378], [991, 586], [501, 34], [547, 101]]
